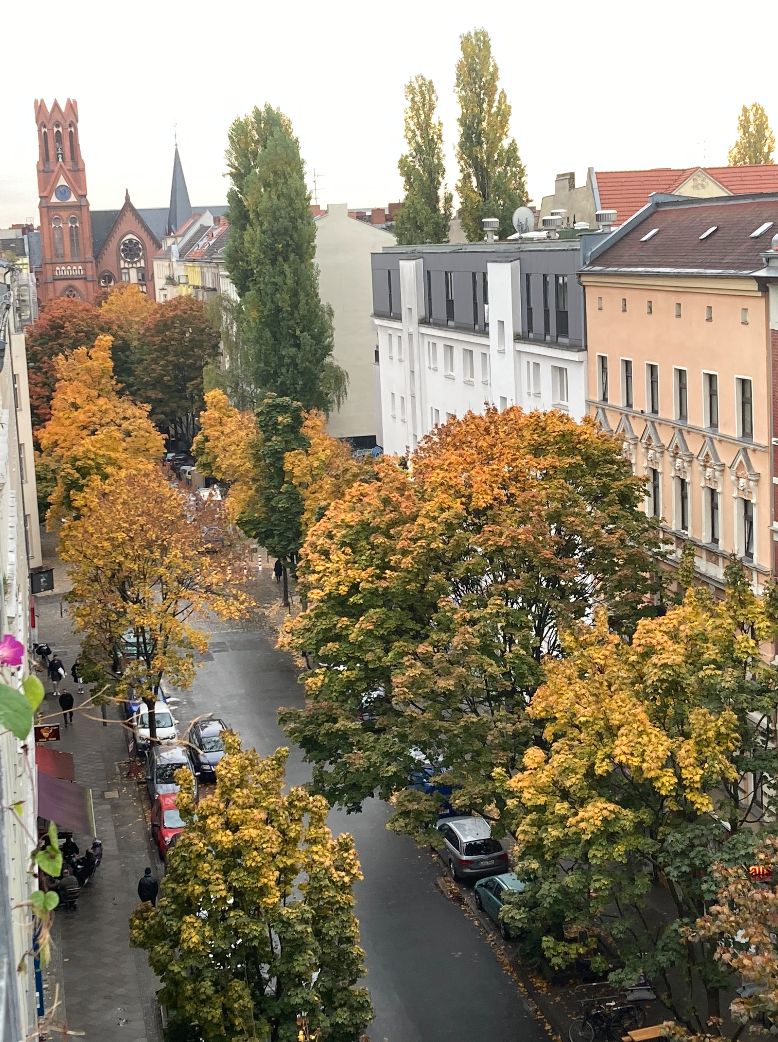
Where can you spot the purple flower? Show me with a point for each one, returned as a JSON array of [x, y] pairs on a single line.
[[11, 651]]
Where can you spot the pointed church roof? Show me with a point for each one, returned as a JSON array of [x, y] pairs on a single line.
[[180, 207]]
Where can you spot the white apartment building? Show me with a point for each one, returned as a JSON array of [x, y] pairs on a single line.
[[463, 327]]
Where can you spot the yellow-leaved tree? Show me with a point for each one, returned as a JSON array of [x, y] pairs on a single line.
[[223, 449], [143, 558], [324, 470], [94, 430], [650, 768]]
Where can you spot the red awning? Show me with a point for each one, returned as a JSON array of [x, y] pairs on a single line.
[[55, 763], [66, 803]]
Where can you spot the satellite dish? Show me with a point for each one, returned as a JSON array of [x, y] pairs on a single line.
[[523, 220]]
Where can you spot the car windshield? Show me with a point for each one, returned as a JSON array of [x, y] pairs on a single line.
[[166, 772], [173, 819], [164, 719], [479, 847], [212, 743]]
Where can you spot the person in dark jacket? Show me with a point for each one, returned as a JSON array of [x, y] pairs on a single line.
[[69, 847], [278, 571], [66, 705], [148, 887], [75, 672], [56, 672]]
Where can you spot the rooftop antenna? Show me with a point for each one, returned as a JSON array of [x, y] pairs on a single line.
[[175, 135], [317, 176]]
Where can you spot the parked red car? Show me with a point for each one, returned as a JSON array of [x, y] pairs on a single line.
[[166, 822]]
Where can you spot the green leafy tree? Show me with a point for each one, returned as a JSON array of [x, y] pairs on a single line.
[[274, 516], [270, 258], [755, 140], [426, 210], [439, 595], [255, 925], [492, 176], [653, 764]]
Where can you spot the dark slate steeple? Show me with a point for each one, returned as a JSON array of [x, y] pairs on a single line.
[[180, 207]]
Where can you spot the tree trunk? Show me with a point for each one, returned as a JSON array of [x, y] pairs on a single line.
[[286, 586], [150, 705]]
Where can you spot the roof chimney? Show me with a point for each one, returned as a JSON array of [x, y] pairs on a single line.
[[491, 227], [551, 223], [605, 220]]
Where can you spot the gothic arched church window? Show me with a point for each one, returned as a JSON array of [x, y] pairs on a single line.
[[58, 238], [75, 237]]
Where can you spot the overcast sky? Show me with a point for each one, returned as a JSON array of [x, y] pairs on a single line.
[[610, 85]]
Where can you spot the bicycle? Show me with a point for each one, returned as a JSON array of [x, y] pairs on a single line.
[[606, 1020]]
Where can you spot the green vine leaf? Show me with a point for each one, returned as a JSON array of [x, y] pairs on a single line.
[[51, 900], [33, 691], [15, 711]]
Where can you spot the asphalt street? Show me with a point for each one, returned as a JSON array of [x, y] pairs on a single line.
[[431, 974]]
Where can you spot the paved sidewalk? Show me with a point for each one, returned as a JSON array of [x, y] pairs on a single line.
[[104, 989]]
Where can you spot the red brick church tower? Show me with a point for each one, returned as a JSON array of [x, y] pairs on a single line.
[[68, 264]]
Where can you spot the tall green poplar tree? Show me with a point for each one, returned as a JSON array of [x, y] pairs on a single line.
[[426, 212], [492, 180], [755, 140], [270, 259]]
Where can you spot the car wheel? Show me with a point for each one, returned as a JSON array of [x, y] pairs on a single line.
[[478, 902], [452, 871]]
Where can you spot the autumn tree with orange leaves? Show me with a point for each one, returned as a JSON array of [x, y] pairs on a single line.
[[93, 430], [141, 557], [223, 450], [440, 593]]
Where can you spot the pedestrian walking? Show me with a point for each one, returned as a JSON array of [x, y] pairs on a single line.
[[75, 672], [56, 672], [66, 705], [278, 570], [148, 887], [43, 651]]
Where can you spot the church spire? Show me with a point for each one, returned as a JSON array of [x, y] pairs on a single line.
[[180, 207]]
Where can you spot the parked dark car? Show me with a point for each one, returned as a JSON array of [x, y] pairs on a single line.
[[206, 747], [161, 766], [490, 895]]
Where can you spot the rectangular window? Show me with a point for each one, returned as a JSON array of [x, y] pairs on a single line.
[[711, 400], [536, 379], [448, 359], [485, 294], [503, 403], [559, 386], [475, 300], [22, 464], [627, 398], [402, 408], [748, 529], [708, 313], [681, 396], [745, 408], [602, 378], [599, 303], [649, 307], [744, 316], [436, 417], [652, 388], [389, 345], [389, 287], [126, 278], [432, 354], [561, 305], [546, 312], [16, 391], [484, 368], [449, 279], [677, 310], [399, 347], [500, 335], [411, 353], [528, 302], [468, 367], [429, 296], [393, 404], [623, 303], [713, 516], [682, 513], [654, 492]]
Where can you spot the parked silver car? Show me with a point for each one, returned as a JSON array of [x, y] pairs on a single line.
[[468, 848]]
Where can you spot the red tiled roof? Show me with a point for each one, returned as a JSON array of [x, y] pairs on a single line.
[[625, 191], [677, 244]]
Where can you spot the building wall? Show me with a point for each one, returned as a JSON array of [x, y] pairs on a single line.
[[578, 202], [432, 371], [729, 342], [343, 249], [29, 489], [17, 764]]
